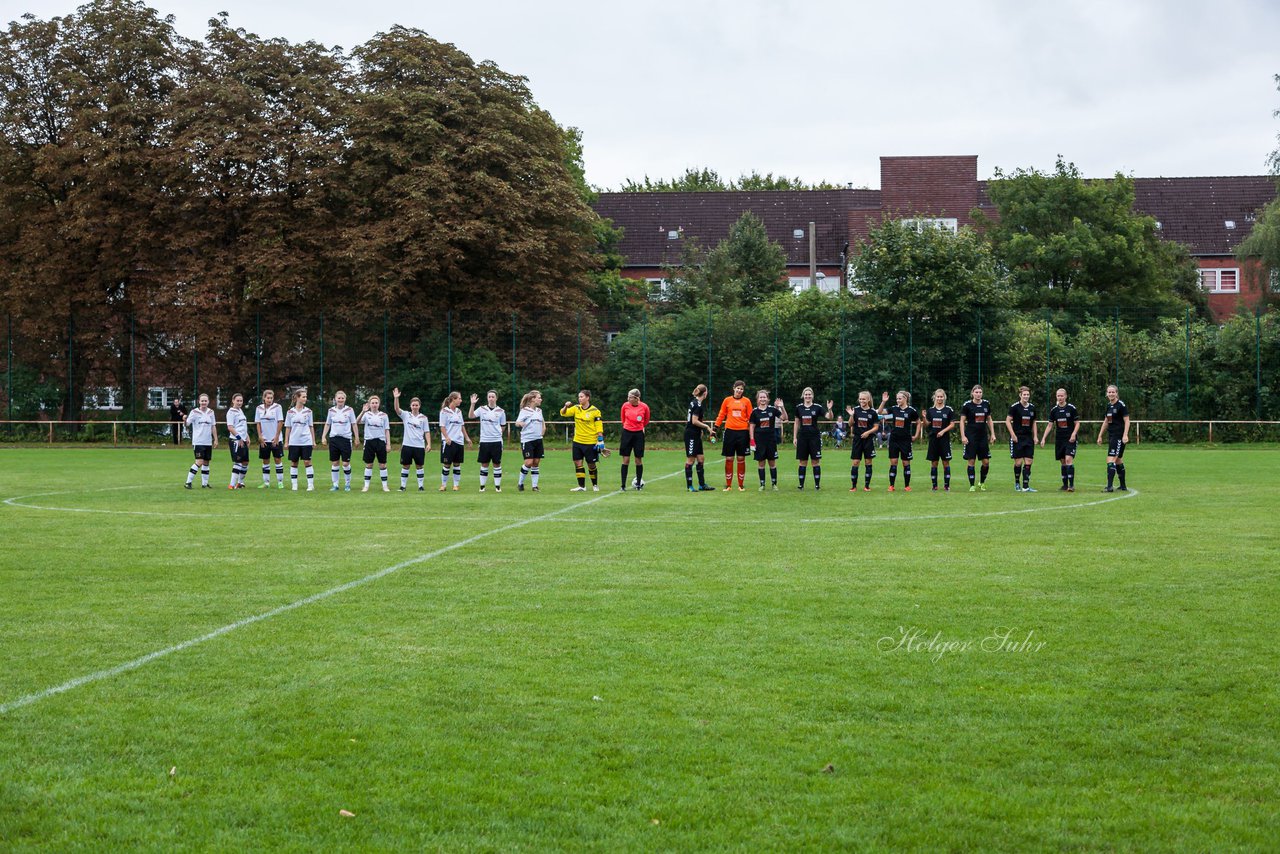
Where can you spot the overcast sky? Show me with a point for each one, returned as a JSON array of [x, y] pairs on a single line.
[[822, 89]]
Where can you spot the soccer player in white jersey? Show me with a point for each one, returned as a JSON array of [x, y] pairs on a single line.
[[300, 439], [340, 432], [453, 439], [417, 440], [532, 428], [238, 441], [492, 419], [376, 427], [270, 420], [204, 438]]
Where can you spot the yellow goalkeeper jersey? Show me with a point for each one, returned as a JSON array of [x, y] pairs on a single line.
[[587, 423]]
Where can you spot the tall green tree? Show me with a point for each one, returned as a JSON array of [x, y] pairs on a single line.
[[1074, 244], [709, 180], [1263, 243], [746, 268]]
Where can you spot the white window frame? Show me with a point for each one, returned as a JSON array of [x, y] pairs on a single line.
[[104, 398], [659, 289], [166, 395], [1211, 280], [950, 224]]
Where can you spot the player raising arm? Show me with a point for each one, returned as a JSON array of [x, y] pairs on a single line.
[[588, 438], [377, 427], [416, 441], [492, 419], [1116, 426], [1021, 423], [904, 426], [762, 429], [735, 411], [941, 420], [864, 423], [204, 438], [532, 428], [1064, 423], [238, 441], [807, 436]]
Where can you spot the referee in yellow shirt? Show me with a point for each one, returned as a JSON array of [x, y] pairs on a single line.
[[588, 438]]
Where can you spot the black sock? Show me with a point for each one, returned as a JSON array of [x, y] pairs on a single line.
[[1064, 474], [867, 481], [933, 475], [582, 478], [639, 472], [853, 476], [1026, 475], [762, 475], [1120, 472], [972, 472], [817, 477], [906, 474], [688, 476], [946, 477], [982, 476], [893, 473], [773, 474], [1017, 475], [1071, 476], [592, 472], [1111, 474], [803, 469], [702, 475], [624, 475]]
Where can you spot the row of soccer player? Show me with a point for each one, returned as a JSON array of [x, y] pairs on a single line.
[[292, 432], [755, 429], [748, 429]]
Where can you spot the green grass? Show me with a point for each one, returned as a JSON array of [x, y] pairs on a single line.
[[651, 671]]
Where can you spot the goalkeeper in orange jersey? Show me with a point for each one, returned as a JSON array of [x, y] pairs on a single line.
[[735, 414]]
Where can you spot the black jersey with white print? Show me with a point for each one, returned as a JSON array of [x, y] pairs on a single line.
[[809, 416], [938, 420], [1024, 417]]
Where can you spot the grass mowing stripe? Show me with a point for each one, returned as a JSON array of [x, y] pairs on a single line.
[[71, 684]]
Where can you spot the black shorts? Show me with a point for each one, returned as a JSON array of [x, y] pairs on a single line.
[[532, 449], [239, 449], [417, 456], [939, 449], [736, 443], [979, 448], [1062, 450], [452, 453], [490, 452], [632, 443], [202, 452], [582, 451], [900, 448], [693, 443], [1022, 448], [268, 450], [809, 448], [299, 452], [863, 448], [375, 450], [766, 450], [339, 449], [1115, 446]]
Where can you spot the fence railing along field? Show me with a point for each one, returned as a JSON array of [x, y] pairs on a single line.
[[1168, 368]]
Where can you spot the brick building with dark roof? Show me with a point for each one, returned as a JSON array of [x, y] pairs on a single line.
[[1211, 216]]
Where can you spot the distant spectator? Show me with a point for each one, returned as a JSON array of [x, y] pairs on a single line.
[[177, 415], [839, 431]]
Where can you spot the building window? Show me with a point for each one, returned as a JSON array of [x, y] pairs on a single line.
[[1275, 281], [103, 398], [609, 337], [659, 289], [950, 224], [159, 398], [1221, 280]]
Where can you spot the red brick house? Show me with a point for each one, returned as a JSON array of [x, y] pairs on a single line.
[[1209, 215]]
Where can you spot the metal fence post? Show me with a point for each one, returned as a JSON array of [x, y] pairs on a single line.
[[709, 350], [133, 379], [1048, 325], [1116, 378], [1257, 351], [195, 369], [979, 379], [386, 322], [514, 398], [776, 355], [70, 358], [257, 351], [644, 354], [321, 396], [448, 346], [579, 349], [842, 358], [911, 356], [8, 385], [1186, 406]]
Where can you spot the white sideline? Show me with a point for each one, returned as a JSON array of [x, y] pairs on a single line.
[[20, 702]]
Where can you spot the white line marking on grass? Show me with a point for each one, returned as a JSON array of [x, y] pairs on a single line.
[[99, 675]]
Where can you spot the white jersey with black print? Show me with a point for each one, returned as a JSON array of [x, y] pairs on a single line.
[[237, 425], [492, 419], [300, 424], [531, 418], [341, 421], [270, 418], [451, 424], [376, 425], [415, 428], [202, 424]]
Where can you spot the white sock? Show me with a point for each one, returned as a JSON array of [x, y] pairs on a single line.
[[422, 476], [497, 477], [346, 473], [457, 475], [204, 475], [534, 471], [192, 472], [333, 475], [404, 477]]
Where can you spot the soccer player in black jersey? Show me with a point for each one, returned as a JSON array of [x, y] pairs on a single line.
[[941, 420], [762, 427], [693, 454], [864, 423], [977, 434], [1116, 426], [1021, 422], [1065, 421], [904, 426], [807, 436]]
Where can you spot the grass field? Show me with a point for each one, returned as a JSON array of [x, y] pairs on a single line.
[[640, 671]]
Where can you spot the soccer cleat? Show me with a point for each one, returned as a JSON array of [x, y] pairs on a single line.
[[348, 488], [264, 486], [519, 487], [1071, 489], [311, 487], [186, 486], [205, 486], [775, 487], [239, 486], [982, 487], [946, 489], [455, 487], [595, 487], [579, 489], [366, 488], [402, 489], [640, 487], [442, 488], [1124, 489], [1029, 489], [386, 488], [705, 488], [482, 487], [1062, 489], [762, 487], [973, 489], [497, 489], [1108, 489], [694, 489], [294, 487], [281, 485], [422, 489], [853, 489], [1017, 488], [333, 489], [728, 488], [893, 489], [742, 489], [535, 489], [866, 489], [935, 489], [906, 489]]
